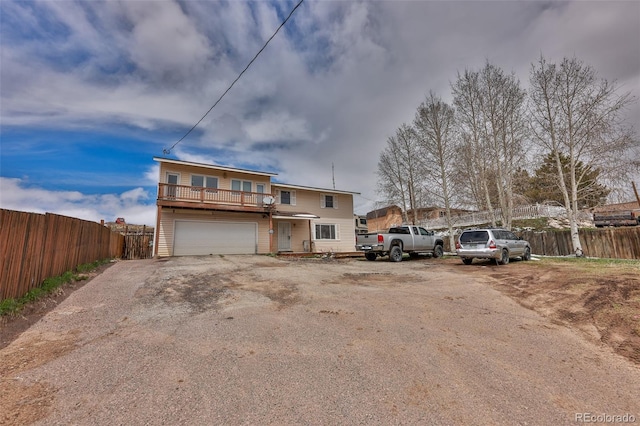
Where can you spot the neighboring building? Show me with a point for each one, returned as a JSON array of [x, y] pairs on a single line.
[[361, 224], [390, 216], [631, 205], [207, 209], [384, 218]]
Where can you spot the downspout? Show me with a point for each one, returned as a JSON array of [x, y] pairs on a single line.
[[270, 231], [157, 233]]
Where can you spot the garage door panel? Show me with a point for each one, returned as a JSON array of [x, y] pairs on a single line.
[[203, 238]]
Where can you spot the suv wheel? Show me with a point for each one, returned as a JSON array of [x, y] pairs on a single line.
[[504, 258], [527, 254], [467, 260], [438, 251]]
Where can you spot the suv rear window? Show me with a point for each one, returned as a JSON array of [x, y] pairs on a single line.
[[474, 237]]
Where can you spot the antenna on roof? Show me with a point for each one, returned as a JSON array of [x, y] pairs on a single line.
[[333, 175]]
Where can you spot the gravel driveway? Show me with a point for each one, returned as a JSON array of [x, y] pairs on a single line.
[[259, 340]]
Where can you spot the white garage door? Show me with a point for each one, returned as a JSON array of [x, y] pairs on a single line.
[[203, 238]]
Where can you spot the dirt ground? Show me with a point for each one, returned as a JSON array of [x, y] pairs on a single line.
[[11, 326], [600, 302]]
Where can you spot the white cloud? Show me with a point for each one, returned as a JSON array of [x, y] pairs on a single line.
[[134, 205], [330, 88]]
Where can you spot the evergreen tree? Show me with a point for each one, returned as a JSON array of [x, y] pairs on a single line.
[[543, 186]]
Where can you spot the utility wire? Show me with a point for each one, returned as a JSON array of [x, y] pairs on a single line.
[[168, 151]]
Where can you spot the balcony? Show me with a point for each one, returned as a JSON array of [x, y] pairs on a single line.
[[170, 195]]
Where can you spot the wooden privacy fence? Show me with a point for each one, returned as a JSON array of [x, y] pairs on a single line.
[[614, 243], [35, 246], [138, 246]]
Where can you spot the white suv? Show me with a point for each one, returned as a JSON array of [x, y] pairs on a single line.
[[491, 243]]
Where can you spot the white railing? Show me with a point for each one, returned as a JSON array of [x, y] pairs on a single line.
[[520, 212]]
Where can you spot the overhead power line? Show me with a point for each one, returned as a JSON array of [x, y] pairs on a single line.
[[168, 151]]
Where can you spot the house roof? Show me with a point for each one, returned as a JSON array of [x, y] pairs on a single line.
[[211, 166], [382, 212], [311, 188], [255, 172]]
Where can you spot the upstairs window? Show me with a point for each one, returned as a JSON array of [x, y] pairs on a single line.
[[241, 185], [286, 197], [328, 201], [208, 182]]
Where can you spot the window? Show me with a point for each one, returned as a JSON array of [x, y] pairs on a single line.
[[328, 201], [511, 236], [209, 182], [425, 232], [286, 197], [474, 237], [241, 185], [197, 181], [326, 232], [404, 230], [363, 221]]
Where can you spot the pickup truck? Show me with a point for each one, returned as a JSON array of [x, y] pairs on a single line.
[[399, 240]]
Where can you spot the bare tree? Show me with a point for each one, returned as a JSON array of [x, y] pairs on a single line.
[[434, 124], [399, 172], [472, 167], [490, 109], [576, 115], [501, 104]]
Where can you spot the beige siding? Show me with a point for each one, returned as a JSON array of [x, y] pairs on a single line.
[[224, 177], [168, 217], [310, 201], [299, 234], [346, 240], [307, 201]]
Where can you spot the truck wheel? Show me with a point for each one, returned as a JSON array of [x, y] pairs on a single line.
[[467, 260], [370, 256], [504, 258], [395, 255], [527, 254], [438, 251]]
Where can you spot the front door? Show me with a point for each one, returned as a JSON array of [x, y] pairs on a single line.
[[284, 236]]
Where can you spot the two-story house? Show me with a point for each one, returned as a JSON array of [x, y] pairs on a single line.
[[206, 209]]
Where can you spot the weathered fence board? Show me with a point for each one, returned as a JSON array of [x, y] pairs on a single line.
[[614, 243], [34, 247], [137, 246]]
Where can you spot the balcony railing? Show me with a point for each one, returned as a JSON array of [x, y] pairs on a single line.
[[170, 192]]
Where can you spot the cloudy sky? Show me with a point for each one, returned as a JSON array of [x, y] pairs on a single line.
[[91, 91]]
